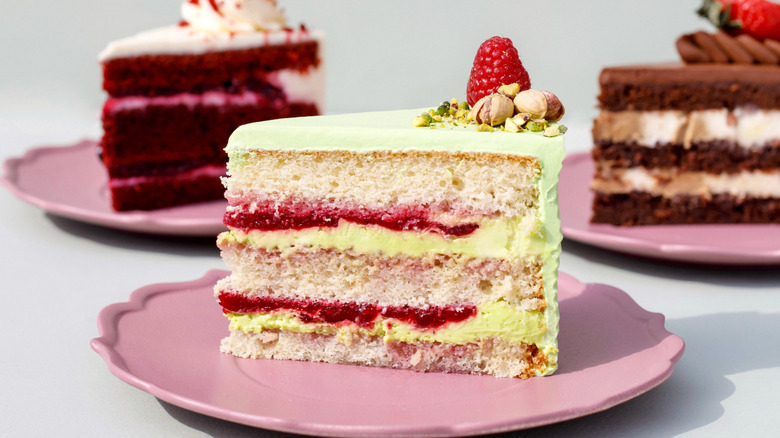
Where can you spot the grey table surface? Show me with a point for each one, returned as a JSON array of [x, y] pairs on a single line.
[[60, 273]]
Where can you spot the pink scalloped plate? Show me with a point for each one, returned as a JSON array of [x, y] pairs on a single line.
[[611, 350], [70, 181], [733, 244]]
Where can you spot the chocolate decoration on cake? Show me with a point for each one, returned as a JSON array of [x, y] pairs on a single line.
[[773, 45], [762, 53], [722, 48]]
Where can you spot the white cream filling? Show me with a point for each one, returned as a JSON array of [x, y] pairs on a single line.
[[208, 170], [299, 87], [670, 183], [745, 127], [302, 87], [177, 40]]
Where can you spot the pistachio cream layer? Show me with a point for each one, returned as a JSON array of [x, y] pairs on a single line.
[[506, 239], [492, 320]]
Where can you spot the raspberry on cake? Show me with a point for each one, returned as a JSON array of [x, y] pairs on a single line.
[[496, 63], [693, 142], [176, 93]]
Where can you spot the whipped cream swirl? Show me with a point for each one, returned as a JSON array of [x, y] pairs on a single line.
[[232, 16]]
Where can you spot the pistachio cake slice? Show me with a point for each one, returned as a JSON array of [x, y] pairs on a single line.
[[361, 239]]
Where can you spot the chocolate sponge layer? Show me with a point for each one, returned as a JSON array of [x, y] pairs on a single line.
[[689, 87], [637, 208], [717, 156]]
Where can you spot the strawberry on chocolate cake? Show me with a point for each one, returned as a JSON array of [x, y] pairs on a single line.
[[425, 240], [698, 141], [176, 93]]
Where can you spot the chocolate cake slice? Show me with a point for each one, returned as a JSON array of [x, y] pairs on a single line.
[[687, 143]]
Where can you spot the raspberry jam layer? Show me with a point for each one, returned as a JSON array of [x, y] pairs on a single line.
[[362, 314], [297, 216]]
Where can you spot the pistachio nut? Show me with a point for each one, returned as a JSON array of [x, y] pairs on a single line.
[[420, 121], [555, 108], [511, 126], [492, 110], [509, 90], [532, 102], [551, 131], [539, 104], [521, 119]]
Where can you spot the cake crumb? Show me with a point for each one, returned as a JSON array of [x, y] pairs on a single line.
[[416, 358], [267, 337]]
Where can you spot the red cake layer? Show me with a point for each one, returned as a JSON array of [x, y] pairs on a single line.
[[155, 75], [162, 135], [164, 192], [270, 216], [362, 314]]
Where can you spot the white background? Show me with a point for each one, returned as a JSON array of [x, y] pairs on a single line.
[[380, 55]]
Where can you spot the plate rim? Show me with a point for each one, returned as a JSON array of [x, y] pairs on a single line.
[[671, 344], [136, 221]]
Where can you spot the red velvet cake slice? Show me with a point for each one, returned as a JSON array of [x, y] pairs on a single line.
[[176, 93]]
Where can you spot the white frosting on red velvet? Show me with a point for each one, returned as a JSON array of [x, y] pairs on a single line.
[[213, 26], [232, 16], [182, 40]]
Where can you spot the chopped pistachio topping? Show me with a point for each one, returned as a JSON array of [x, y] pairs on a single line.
[[553, 131], [536, 126], [457, 113], [509, 90], [511, 126], [420, 121]]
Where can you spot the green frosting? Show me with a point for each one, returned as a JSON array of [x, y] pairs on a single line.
[[393, 131]]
